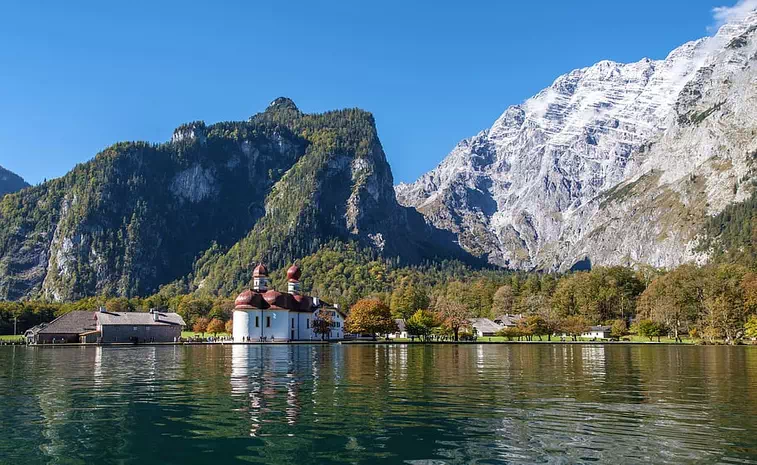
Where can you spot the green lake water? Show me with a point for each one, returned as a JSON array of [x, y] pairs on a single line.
[[335, 404]]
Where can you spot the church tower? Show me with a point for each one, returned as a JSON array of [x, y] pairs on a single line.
[[293, 280], [260, 278]]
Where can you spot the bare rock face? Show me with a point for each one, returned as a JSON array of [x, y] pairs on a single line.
[[615, 163]]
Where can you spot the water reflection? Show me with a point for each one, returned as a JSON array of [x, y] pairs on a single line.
[[371, 404]]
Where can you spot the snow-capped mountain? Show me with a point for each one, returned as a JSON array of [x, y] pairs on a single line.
[[614, 163]]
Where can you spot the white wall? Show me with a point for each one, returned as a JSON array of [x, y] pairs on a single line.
[[241, 328], [305, 322], [281, 326]]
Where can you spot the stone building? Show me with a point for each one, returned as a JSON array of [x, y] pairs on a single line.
[[263, 314], [138, 327], [65, 328], [108, 327]]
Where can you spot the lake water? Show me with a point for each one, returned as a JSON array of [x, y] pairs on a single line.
[[433, 404]]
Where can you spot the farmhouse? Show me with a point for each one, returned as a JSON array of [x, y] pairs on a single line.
[[598, 332], [263, 314], [508, 321], [484, 326]]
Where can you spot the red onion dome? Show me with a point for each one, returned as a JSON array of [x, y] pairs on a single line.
[[259, 271], [273, 297], [294, 273], [244, 300]]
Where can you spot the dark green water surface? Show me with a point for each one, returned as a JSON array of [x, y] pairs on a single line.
[[434, 404]]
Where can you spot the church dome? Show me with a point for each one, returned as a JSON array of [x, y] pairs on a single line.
[[260, 270], [244, 300], [294, 273], [273, 297]]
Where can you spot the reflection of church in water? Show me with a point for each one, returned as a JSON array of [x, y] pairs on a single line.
[[276, 382], [263, 314]]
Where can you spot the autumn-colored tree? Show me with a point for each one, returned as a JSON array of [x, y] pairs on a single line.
[[564, 298], [229, 327], [534, 325], [674, 300], [725, 307], [750, 328], [407, 299], [575, 326], [118, 305], [222, 309], [200, 325], [510, 333], [191, 308], [502, 302], [215, 326], [370, 316], [322, 324], [619, 328], [454, 315]]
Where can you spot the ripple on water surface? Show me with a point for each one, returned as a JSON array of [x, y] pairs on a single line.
[[435, 404]]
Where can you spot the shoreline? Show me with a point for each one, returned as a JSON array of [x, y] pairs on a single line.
[[379, 342]]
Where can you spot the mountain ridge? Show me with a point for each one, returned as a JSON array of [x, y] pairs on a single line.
[[140, 215], [10, 182], [518, 191]]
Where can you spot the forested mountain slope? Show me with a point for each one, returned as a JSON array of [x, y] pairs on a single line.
[[10, 182], [138, 215]]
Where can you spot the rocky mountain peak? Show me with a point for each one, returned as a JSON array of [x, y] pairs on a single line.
[[190, 132], [283, 104], [513, 191]]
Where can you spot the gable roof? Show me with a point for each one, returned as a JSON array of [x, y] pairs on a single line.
[[484, 325], [139, 319], [71, 323], [508, 320], [601, 328], [400, 325]]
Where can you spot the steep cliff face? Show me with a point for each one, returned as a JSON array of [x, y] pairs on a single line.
[[273, 188], [138, 215], [10, 182], [340, 189], [592, 168]]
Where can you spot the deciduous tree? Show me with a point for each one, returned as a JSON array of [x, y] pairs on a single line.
[[322, 324], [575, 326], [454, 315], [407, 299], [215, 326], [421, 323], [370, 316], [200, 325], [502, 302]]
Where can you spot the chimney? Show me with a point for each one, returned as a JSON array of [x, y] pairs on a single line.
[[155, 316], [102, 310]]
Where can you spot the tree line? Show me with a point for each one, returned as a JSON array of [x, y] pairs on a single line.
[[715, 302]]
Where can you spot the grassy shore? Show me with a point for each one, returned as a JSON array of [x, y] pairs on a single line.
[[633, 339], [192, 334]]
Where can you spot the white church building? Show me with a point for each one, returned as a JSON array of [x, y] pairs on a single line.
[[266, 315]]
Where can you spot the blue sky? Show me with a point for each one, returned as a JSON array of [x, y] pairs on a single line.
[[78, 76]]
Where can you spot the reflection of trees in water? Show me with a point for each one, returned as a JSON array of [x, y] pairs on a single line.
[[348, 404]]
